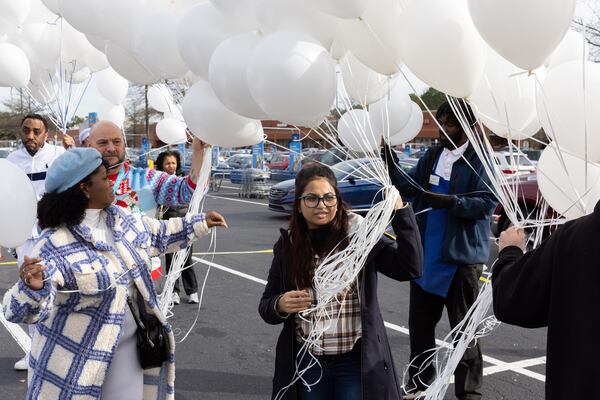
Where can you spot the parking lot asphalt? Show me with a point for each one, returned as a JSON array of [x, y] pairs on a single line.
[[229, 352]]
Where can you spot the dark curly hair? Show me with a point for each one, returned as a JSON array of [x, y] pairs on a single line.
[[38, 117], [169, 153], [300, 248], [66, 208]]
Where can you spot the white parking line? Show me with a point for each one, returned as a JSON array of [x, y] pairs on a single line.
[[499, 365], [20, 336], [237, 200]]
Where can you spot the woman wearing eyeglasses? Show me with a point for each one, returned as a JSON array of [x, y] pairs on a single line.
[[89, 290], [354, 353]]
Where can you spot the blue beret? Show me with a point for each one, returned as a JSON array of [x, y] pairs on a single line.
[[71, 168]]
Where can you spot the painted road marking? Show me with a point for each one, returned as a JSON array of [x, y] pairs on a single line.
[[237, 200], [8, 263], [229, 253], [499, 365], [20, 336]]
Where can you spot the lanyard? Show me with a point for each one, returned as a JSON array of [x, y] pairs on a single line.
[[119, 179]]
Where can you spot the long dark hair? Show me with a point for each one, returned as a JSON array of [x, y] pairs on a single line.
[[66, 208], [299, 248], [169, 153]]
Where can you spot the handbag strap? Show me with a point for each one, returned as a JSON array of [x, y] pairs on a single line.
[[136, 314]]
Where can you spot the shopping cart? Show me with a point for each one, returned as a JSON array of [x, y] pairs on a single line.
[[255, 184]]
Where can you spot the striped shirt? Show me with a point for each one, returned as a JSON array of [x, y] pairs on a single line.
[[344, 327]]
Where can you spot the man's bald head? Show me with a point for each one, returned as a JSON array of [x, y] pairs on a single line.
[[107, 138]]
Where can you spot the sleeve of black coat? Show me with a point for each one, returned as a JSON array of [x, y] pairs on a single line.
[[402, 260], [273, 290], [521, 284]]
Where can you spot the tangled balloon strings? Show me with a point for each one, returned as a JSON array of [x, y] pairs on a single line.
[[60, 95]]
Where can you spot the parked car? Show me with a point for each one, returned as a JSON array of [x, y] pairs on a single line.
[[356, 183], [280, 161], [514, 163], [240, 161], [5, 151]]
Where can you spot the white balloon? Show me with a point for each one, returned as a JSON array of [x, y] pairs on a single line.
[[79, 76], [15, 70], [112, 113], [96, 60], [346, 9], [74, 44], [505, 100], [297, 16], [112, 86], [212, 122], [41, 14], [444, 32], [18, 205], [300, 65], [200, 31], [82, 15], [15, 10], [337, 51], [356, 132], [412, 128], [97, 41], [567, 113], [241, 12], [127, 65], [228, 72], [391, 114], [160, 98], [171, 131], [157, 48], [121, 20], [374, 39], [362, 83], [571, 188], [523, 32], [573, 47], [41, 44], [52, 6]]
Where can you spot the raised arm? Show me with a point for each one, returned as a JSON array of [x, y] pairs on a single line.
[[402, 260]]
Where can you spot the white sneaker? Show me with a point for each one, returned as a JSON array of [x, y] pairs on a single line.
[[176, 299], [22, 364], [194, 298]]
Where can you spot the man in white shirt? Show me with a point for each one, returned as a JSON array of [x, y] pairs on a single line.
[[34, 157]]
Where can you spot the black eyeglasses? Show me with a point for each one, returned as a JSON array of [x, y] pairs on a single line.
[[312, 201]]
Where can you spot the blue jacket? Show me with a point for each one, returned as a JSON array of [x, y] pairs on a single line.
[[468, 229]]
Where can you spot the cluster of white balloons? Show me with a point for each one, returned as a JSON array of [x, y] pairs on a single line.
[[39, 49], [395, 117], [171, 129]]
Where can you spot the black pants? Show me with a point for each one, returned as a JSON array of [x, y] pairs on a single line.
[[188, 276], [424, 314]]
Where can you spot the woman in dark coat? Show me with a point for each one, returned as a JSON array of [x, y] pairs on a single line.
[[355, 356]]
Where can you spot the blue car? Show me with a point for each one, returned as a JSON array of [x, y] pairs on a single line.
[[356, 182]]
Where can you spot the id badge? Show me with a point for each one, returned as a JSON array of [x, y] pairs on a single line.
[[434, 180]]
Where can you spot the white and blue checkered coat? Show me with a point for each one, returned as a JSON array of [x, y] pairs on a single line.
[[79, 313]]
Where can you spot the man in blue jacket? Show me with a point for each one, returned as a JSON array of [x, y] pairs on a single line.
[[452, 197]]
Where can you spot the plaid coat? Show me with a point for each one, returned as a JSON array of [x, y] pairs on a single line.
[[79, 313]]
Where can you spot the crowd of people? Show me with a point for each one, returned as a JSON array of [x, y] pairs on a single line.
[[97, 330]]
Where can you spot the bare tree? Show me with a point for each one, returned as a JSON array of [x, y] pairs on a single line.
[[587, 20]]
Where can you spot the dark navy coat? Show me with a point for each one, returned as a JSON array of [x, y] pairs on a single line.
[[468, 227], [401, 261]]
